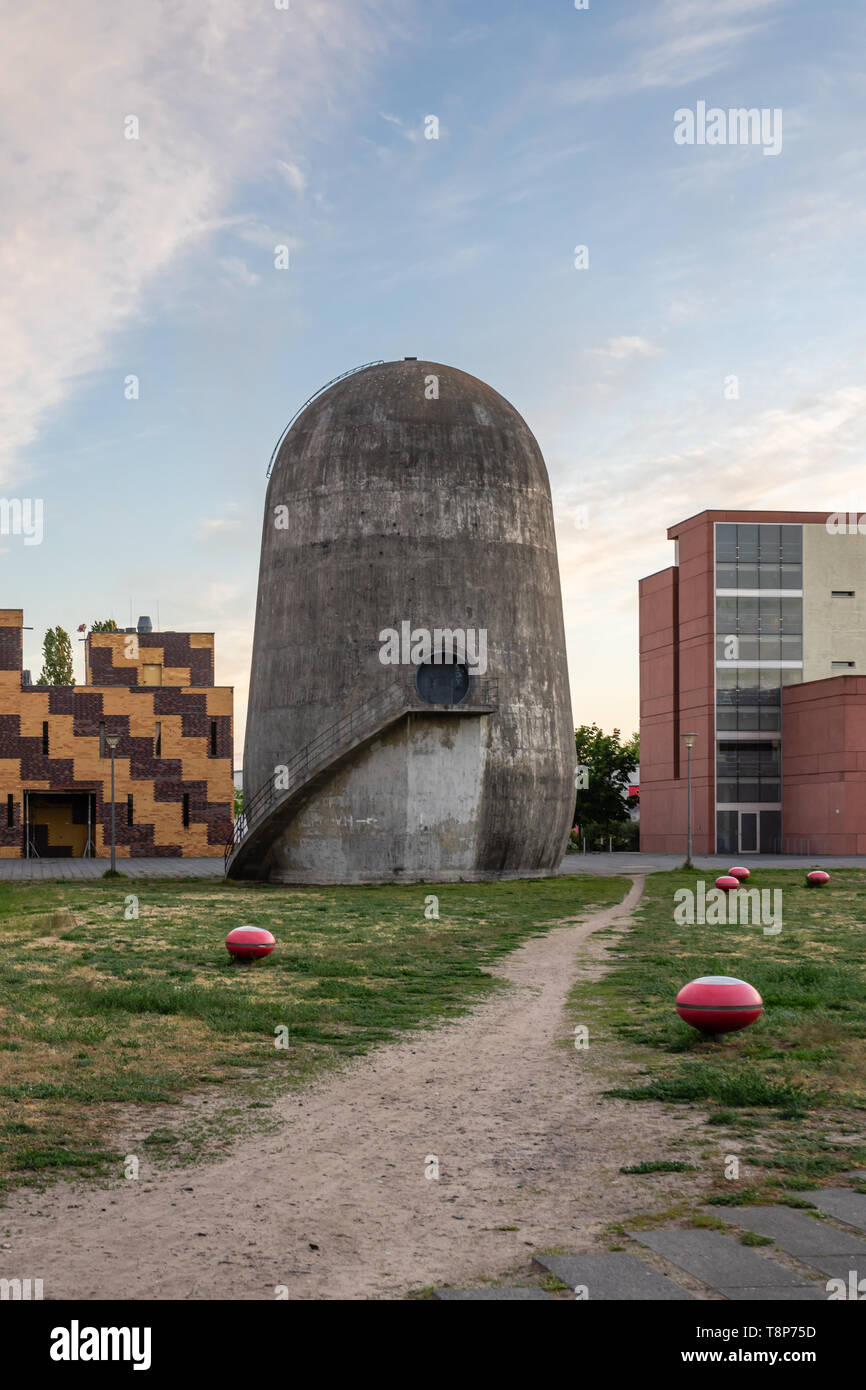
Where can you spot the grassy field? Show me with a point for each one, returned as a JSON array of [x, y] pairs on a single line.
[[792, 1087], [98, 1009]]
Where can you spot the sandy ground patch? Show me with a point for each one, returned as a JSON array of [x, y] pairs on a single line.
[[335, 1203]]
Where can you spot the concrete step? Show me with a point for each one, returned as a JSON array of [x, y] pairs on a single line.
[[840, 1202], [729, 1268], [515, 1295], [612, 1277], [813, 1241]]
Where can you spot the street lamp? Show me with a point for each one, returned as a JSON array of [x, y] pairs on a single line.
[[112, 740], [688, 740]]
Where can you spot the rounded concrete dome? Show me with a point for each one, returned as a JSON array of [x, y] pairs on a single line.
[[409, 497]]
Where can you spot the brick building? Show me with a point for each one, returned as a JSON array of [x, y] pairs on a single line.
[[755, 641], [173, 764]]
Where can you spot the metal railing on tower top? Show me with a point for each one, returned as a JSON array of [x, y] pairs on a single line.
[[301, 408]]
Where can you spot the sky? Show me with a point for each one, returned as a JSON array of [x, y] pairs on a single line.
[[705, 351]]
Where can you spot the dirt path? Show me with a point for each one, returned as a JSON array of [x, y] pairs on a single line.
[[515, 1121]]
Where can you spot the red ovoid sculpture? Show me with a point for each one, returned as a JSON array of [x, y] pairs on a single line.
[[719, 1004], [248, 943]]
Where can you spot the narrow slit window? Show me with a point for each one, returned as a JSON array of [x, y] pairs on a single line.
[[842, 593], [213, 738], [840, 665], [186, 809], [157, 740], [129, 819], [45, 736], [10, 809]]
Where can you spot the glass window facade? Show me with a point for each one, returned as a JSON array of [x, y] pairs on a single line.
[[754, 625], [748, 772], [748, 700], [766, 628], [759, 557]]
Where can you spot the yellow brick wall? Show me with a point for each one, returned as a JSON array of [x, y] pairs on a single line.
[[138, 706], [119, 643]]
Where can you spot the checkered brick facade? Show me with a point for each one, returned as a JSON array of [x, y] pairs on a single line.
[[196, 745]]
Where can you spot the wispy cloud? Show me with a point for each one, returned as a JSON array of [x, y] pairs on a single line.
[[90, 217], [413, 132], [666, 469], [237, 272], [211, 528], [293, 175], [621, 349], [258, 233], [675, 42]]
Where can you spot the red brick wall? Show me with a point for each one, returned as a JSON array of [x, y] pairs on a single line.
[[676, 688], [824, 764]]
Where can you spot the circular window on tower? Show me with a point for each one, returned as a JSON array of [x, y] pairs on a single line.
[[442, 682]]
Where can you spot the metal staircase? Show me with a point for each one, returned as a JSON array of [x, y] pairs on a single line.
[[381, 710]]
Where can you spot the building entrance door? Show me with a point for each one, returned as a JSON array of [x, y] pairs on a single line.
[[748, 832]]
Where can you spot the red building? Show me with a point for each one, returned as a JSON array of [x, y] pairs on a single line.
[[754, 640]]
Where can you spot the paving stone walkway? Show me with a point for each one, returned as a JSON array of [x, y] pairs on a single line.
[[841, 1202], [34, 870], [41, 870], [815, 1242], [731, 1269], [526, 1294], [614, 1276], [637, 862], [718, 1261]]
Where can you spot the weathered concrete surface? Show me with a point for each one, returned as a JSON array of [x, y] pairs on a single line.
[[840, 1202], [437, 512], [796, 1232], [618, 1276], [527, 1294], [732, 1269], [413, 796]]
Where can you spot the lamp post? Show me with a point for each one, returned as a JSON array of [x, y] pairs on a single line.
[[688, 740], [581, 782], [112, 740]]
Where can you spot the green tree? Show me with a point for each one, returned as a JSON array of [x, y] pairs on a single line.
[[104, 625], [238, 802], [56, 658], [609, 763], [632, 747]]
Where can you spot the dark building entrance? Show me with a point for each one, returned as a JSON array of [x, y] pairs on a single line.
[[749, 832], [58, 825]]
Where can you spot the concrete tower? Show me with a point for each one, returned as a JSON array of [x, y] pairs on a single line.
[[409, 713]]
